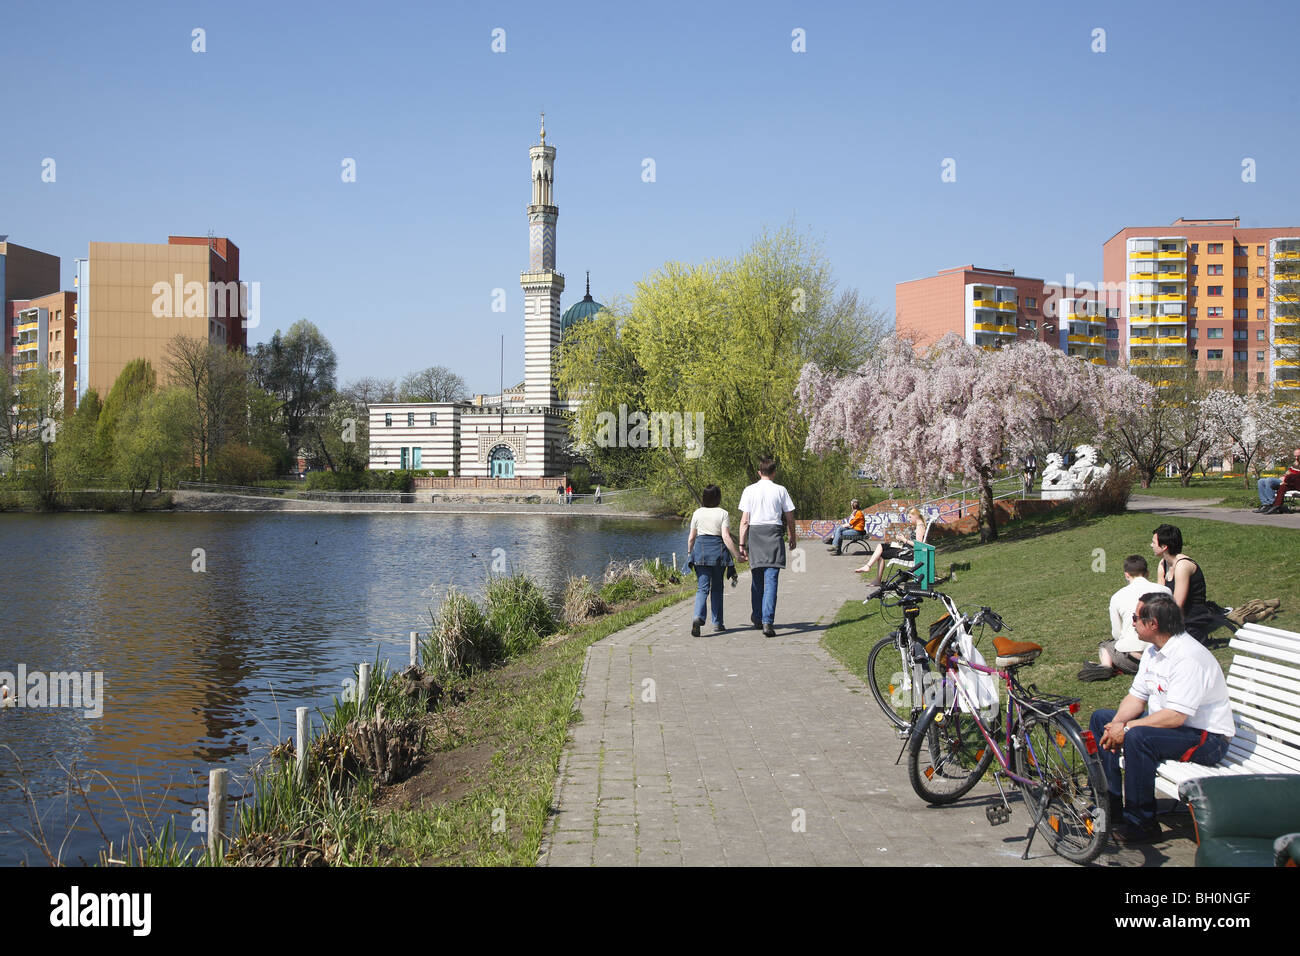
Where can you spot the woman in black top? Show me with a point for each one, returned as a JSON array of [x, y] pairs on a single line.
[[1183, 577]]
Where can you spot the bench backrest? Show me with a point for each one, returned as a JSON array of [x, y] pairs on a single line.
[[1264, 690]]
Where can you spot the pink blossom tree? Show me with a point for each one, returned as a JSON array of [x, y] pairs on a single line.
[[1258, 430], [960, 412]]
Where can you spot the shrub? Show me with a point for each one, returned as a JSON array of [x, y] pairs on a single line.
[[582, 601], [517, 612], [1109, 497], [460, 639], [237, 464], [336, 480], [624, 590]]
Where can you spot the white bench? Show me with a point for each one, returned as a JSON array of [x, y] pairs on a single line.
[[1264, 690]]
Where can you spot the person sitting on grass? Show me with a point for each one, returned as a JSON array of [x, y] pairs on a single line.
[[712, 552], [1177, 709], [1272, 491], [850, 529], [900, 546], [1121, 654], [1184, 578]]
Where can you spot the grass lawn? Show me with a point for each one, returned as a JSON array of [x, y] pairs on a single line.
[[1041, 580]]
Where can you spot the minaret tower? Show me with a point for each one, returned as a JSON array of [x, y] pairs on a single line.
[[542, 285]]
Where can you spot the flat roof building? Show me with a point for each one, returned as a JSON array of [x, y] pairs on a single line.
[[1209, 295], [993, 308], [134, 298]]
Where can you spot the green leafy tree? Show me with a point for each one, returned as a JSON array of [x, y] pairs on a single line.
[[297, 368], [79, 456], [136, 382], [217, 382], [151, 442], [31, 412], [720, 345]]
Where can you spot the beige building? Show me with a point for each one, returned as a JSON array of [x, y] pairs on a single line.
[[134, 298]]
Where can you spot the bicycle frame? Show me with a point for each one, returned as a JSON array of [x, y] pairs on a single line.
[[1017, 698]]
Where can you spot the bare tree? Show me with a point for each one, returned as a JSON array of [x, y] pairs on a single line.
[[435, 384]]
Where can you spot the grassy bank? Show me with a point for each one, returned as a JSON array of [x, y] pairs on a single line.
[[1041, 579], [1233, 491], [478, 772]]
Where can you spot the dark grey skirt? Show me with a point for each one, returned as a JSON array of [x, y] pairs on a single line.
[[766, 545]]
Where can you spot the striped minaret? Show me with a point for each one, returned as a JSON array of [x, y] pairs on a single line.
[[541, 283]]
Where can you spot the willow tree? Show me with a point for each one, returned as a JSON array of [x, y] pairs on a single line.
[[716, 346]]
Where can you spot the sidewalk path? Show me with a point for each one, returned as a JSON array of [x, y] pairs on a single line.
[[712, 751], [1204, 508]]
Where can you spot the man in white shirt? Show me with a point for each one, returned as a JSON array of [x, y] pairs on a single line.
[[767, 515], [1181, 688], [1121, 654]]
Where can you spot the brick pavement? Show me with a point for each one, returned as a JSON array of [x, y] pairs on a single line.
[[736, 749]]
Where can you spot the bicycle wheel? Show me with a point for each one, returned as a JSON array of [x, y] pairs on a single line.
[[1052, 755], [947, 756], [890, 681]]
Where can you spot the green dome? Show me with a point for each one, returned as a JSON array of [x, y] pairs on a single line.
[[580, 311]]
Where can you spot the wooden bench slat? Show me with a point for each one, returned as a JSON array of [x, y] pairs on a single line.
[[1263, 700], [1285, 684], [1265, 650], [1272, 749], [1283, 701]]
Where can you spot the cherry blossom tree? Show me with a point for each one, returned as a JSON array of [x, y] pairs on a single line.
[[1257, 429], [960, 412]]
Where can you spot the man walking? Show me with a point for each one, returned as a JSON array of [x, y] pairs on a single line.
[[1181, 688], [767, 517]]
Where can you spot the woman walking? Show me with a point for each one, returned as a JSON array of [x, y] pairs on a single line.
[[712, 552]]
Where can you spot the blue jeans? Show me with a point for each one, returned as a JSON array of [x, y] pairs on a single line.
[[844, 533], [708, 580], [1267, 489], [762, 593], [1144, 749]]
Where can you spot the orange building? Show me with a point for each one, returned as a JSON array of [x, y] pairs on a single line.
[[993, 308], [1210, 295], [134, 298], [39, 321]]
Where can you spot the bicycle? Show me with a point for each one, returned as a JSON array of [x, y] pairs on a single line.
[[898, 665], [1051, 760]]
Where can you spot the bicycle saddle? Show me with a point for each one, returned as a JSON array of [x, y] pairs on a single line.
[[1013, 653]]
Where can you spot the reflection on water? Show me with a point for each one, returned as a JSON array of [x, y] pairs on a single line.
[[205, 668]]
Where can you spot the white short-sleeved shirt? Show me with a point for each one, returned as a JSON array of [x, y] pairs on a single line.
[[1122, 605], [1185, 677], [710, 521], [766, 501]]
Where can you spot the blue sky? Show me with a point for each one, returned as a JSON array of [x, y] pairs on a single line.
[[1056, 147]]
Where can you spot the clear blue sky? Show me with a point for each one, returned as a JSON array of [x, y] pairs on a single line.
[[1057, 147]]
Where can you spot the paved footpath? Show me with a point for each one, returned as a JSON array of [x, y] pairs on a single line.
[[713, 750], [1205, 508]]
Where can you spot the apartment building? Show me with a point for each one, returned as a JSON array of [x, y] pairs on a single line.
[[1209, 295], [134, 298], [993, 308], [39, 321]]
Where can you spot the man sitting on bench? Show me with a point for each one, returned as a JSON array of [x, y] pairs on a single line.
[[1181, 688], [850, 529], [1272, 491]]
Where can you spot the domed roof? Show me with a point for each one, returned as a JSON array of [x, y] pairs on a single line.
[[580, 311]]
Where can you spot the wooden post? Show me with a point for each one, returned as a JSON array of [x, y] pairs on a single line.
[[415, 648], [363, 687], [674, 560], [304, 722], [217, 780], [656, 560]]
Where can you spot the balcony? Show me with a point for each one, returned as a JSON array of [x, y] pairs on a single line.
[[1171, 341], [1097, 361], [1141, 340], [1172, 361], [1171, 319], [1141, 361]]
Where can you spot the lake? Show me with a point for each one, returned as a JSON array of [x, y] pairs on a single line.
[[204, 668]]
